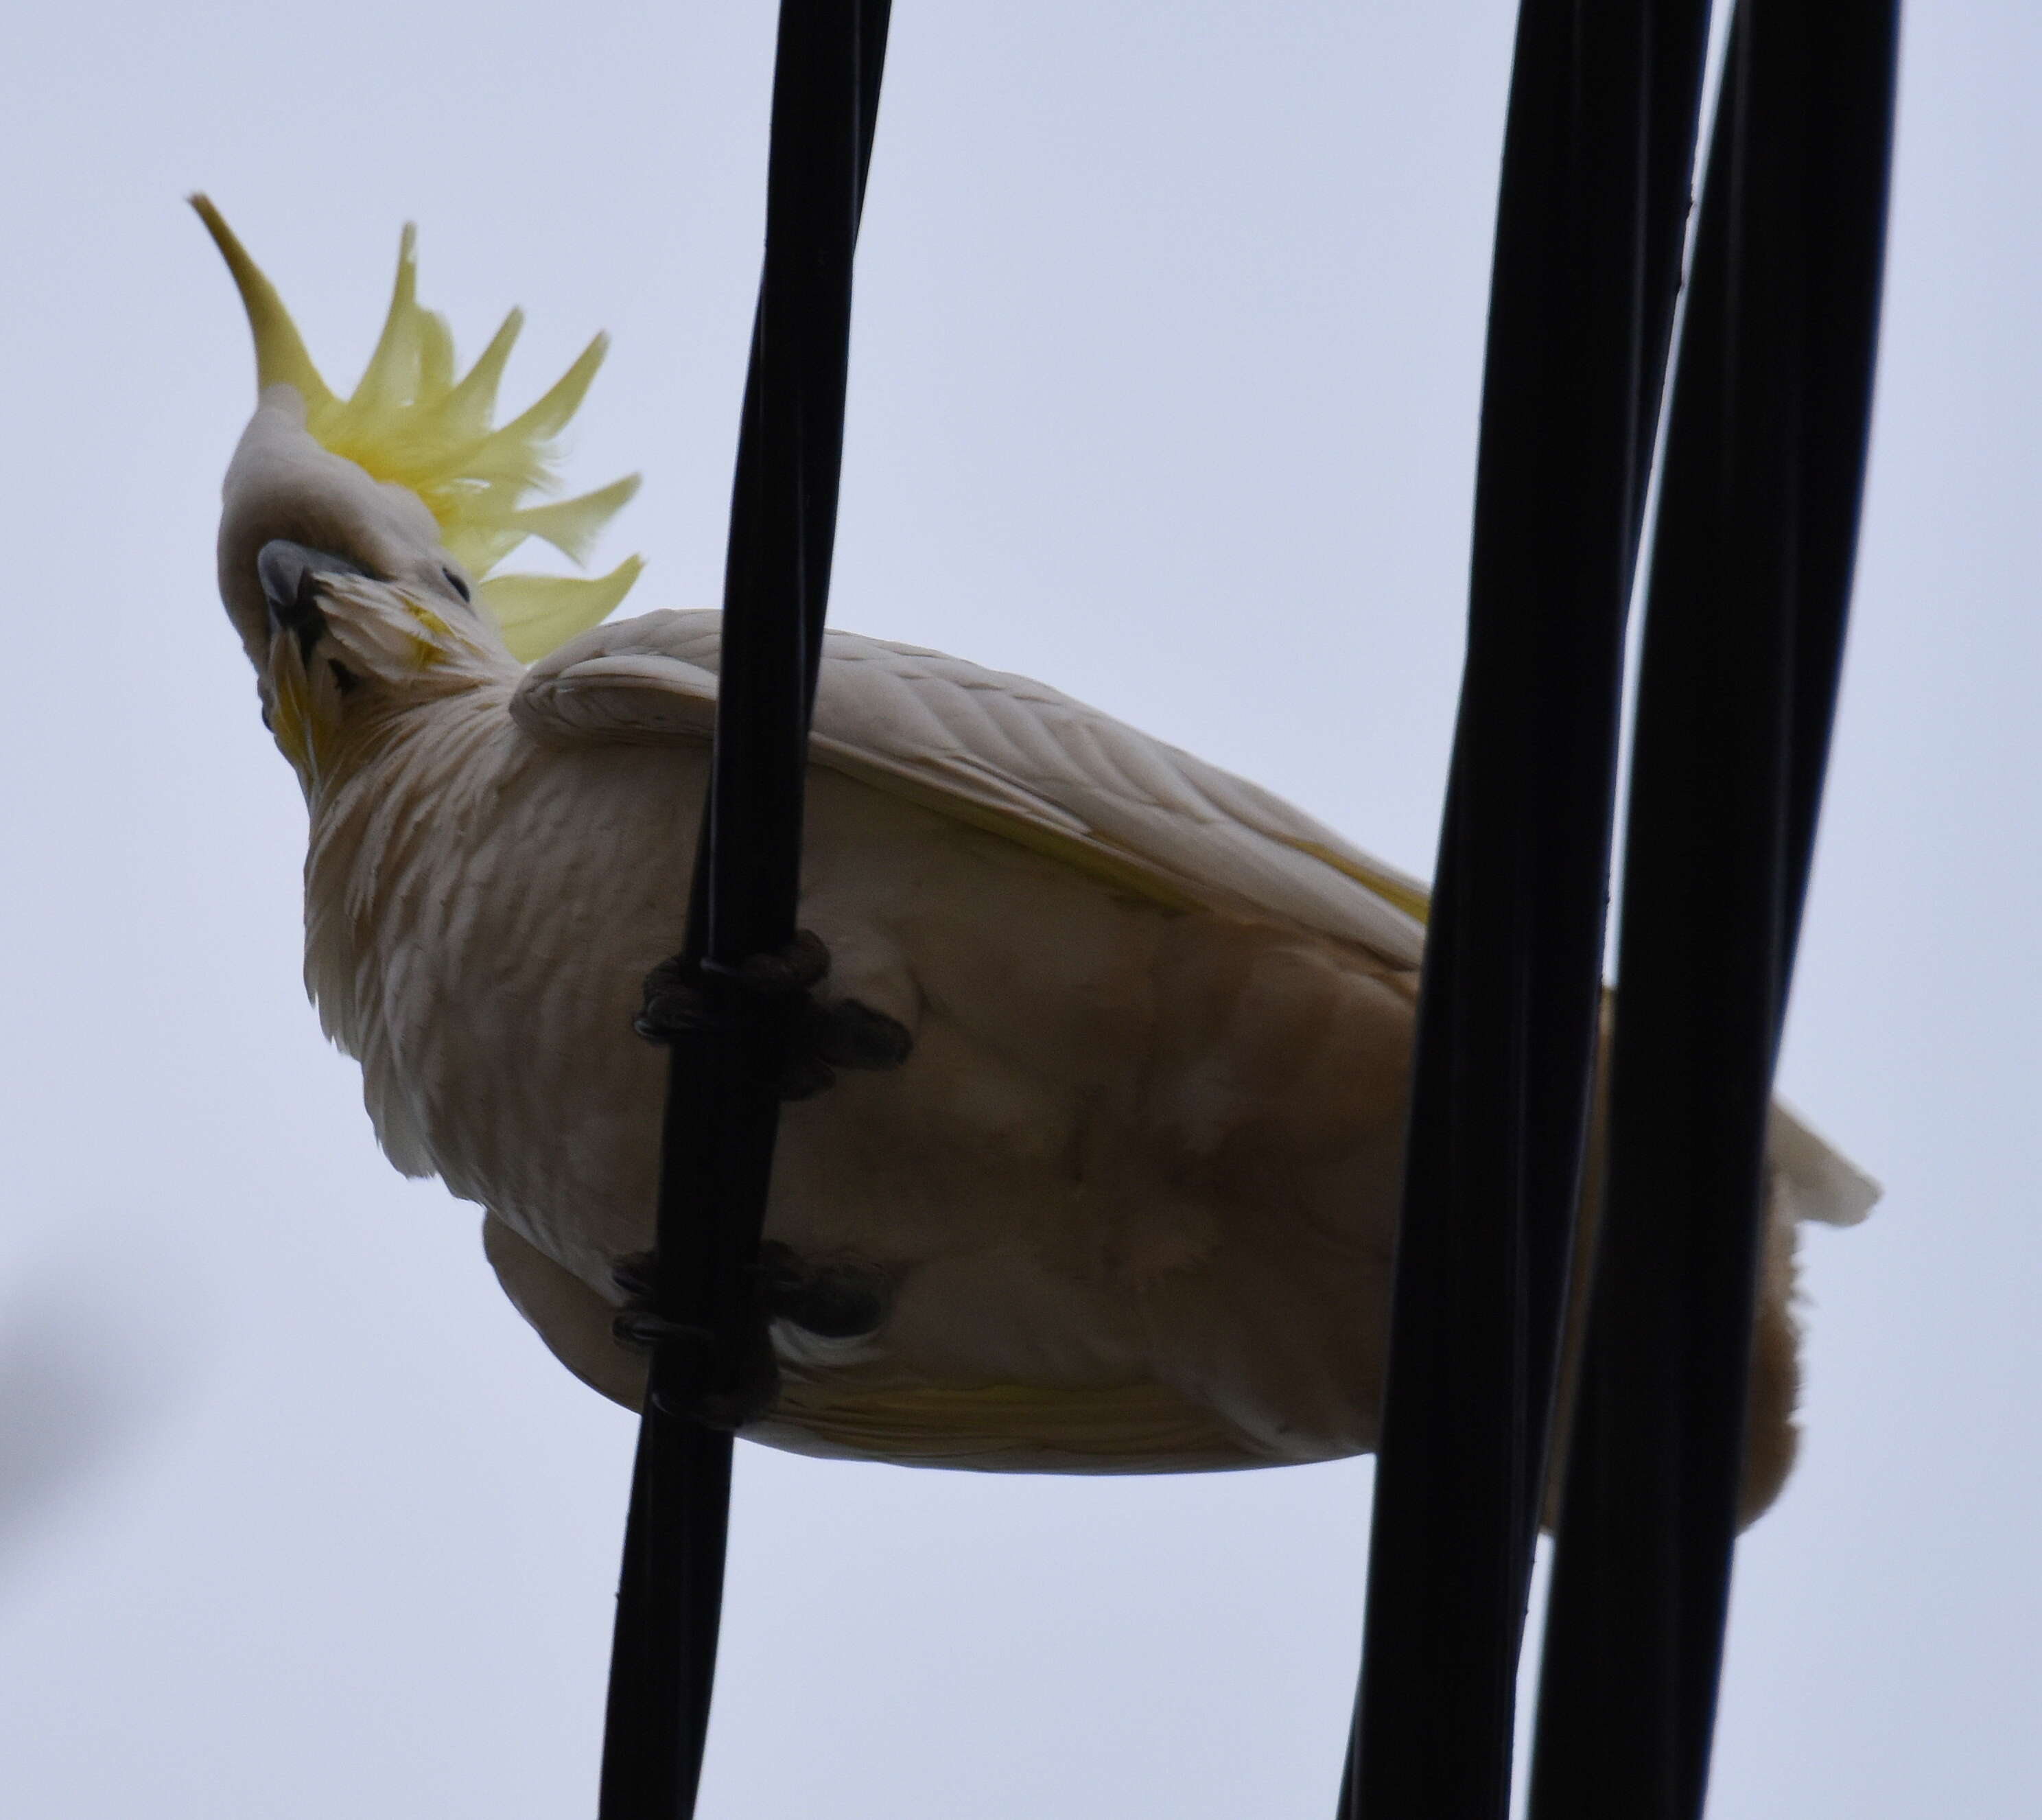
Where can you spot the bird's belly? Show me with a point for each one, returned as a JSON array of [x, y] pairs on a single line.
[[1143, 1158], [1135, 1150]]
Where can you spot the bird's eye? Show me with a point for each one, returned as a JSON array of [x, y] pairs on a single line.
[[459, 586]]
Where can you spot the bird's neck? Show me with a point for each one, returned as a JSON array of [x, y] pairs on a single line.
[[393, 800]]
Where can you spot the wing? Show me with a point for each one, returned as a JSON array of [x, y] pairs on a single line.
[[1004, 754]]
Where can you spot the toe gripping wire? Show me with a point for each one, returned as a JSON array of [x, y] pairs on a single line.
[[725, 1070]]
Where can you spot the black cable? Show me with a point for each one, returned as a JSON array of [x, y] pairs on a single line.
[[1750, 584], [1597, 162], [722, 1111]]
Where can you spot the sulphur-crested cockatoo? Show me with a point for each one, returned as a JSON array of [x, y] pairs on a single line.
[[1128, 1203]]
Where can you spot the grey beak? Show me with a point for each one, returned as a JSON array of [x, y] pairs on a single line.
[[289, 574]]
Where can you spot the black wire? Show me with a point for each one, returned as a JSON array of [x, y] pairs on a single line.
[[722, 1111], [1597, 161], [1750, 585]]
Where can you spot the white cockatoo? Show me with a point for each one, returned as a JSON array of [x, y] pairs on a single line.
[[1127, 1204]]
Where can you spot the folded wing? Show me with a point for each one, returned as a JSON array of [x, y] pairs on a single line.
[[1006, 755]]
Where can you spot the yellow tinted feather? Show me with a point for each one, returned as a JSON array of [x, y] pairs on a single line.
[[538, 613], [413, 421]]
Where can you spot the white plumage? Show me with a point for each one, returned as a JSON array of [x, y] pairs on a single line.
[[1135, 1186]]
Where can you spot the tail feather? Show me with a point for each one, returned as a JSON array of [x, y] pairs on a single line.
[[1820, 1183]]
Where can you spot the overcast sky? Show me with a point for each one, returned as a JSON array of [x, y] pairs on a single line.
[[1166, 369]]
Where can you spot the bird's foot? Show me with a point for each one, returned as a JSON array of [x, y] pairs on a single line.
[[834, 1298], [838, 1298], [821, 1038], [677, 996], [745, 1394]]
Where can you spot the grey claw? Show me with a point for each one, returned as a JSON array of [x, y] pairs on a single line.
[[849, 1035], [836, 1298], [737, 1406], [842, 1303], [821, 1038], [673, 1002], [636, 1274], [790, 971], [640, 1330]]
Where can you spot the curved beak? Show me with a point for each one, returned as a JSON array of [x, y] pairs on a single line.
[[290, 575]]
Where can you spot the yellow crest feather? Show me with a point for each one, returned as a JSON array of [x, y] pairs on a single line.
[[411, 421]]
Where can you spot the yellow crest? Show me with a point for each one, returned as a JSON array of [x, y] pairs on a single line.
[[411, 421]]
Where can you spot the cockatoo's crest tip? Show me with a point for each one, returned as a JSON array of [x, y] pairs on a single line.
[[412, 422]]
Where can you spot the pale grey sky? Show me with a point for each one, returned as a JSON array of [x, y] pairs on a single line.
[[1166, 361]]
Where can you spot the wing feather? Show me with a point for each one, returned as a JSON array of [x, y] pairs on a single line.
[[1009, 756], [1005, 754]]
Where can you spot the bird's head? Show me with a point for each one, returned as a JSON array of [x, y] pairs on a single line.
[[358, 536]]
